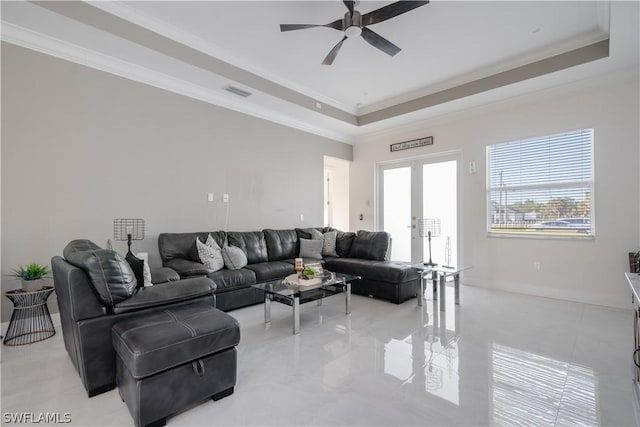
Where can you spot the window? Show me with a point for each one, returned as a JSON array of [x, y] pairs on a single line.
[[542, 186]]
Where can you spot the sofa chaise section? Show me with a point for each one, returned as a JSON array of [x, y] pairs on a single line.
[[389, 280]]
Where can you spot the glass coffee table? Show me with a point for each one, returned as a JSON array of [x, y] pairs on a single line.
[[438, 276], [293, 294]]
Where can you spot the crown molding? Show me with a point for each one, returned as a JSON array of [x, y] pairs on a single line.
[[624, 74], [48, 45], [137, 17]]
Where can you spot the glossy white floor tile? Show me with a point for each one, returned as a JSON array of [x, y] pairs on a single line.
[[497, 359]]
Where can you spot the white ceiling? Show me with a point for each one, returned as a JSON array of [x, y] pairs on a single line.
[[444, 44], [439, 41]]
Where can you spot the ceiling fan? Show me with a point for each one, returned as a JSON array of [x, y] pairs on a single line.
[[354, 24]]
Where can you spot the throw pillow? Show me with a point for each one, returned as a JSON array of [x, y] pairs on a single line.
[[309, 233], [146, 273], [311, 248], [137, 266], [234, 258], [329, 246], [210, 254], [110, 274]]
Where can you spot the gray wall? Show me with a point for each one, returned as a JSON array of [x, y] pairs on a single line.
[[584, 270], [81, 147]]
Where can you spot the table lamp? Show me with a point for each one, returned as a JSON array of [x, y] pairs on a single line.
[[128, 229], [131, 229], [429, 228]]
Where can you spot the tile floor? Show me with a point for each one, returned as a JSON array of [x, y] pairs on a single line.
[[497, 359]]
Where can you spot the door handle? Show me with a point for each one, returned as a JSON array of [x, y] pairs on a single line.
[[411, 226]]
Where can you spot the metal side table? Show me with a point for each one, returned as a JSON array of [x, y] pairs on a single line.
[[30, 321], [438, 276]]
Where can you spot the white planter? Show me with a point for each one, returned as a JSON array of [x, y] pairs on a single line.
[[32, 285]]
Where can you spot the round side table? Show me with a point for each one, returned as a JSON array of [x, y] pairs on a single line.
[[30, 321]]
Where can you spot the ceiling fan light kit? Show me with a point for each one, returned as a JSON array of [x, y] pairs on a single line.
[[355, 24]]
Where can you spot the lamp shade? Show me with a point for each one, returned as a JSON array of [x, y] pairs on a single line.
[[429, 227], [128, 229]]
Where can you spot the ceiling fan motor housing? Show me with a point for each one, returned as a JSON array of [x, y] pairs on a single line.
[[352, 23]]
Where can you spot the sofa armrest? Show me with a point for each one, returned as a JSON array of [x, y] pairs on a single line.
[[166, 293], [163, 274], [76, 297], [186, 267]]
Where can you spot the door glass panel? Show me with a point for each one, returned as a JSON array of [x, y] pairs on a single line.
[[397, 211], [439, 187]]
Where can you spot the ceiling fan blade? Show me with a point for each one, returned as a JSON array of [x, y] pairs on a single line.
[[350, 5], [336, 25], [376, 40], [391, 10], [333, 53]]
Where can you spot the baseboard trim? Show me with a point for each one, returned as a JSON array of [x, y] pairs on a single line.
[[537, 291]]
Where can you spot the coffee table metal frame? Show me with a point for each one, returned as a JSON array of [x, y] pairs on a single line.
[[293, 295]]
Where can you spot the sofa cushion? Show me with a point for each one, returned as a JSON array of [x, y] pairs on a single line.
[[110, 274], [234, 258], [311, 248], [160, 341], [180, 245], [163, 274], [372, 245], [384, 271], [272, 270], [186, 267], [252, 243], [344, 241], [281, 244], [166, 293], [228, 280]]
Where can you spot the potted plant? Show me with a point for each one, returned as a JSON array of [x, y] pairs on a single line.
[[31, 276], [309, 273]]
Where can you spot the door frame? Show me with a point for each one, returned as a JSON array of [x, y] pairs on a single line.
[[416, 195]]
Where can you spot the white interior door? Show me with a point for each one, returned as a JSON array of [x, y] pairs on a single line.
[[411, 191]]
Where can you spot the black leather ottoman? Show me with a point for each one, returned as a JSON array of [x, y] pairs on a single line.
[[171, 360]]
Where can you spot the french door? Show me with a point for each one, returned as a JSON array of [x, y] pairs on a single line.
[[418, 196]]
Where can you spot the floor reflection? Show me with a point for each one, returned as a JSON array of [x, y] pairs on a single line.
[[524, 388], [428, 357], [530, 389]]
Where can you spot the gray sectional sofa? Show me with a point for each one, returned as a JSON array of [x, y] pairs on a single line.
[[271, 255]]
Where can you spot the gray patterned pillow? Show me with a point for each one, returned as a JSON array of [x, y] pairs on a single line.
[[329, 247], [210, 254], [311, 248], [234, 257]]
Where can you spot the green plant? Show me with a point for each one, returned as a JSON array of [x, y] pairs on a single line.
[[32, 271], [309, 271]]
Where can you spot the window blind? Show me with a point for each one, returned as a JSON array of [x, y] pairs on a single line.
[[542, 185]]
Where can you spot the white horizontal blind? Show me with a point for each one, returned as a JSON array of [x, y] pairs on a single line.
[[542, 186]]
